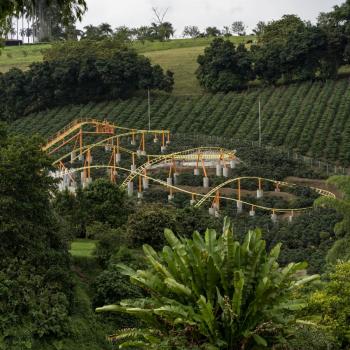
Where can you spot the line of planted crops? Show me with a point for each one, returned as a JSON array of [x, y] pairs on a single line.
[[311, 118]]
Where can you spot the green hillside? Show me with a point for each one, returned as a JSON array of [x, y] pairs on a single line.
[[179, 55], [311, 118]]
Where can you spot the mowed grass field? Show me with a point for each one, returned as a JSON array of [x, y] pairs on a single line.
[[83, 248], [179, 56]]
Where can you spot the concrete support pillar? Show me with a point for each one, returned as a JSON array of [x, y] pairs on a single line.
[[145, 183], [143, 153], [196, 171], [81, 157], [139, 195], [130, 188], [133, 167], [155, 140], [139, 153], [226, 172], [170, 197], [118, 158], [133, 142], [290, 218], [218, 170], [252, 213], [232, 164], [259, 194], [82, 177], [72, 156], [212, 211], [176, 178], [206, 182], [163, 149], [192, 202], [274, 218], [169, 181], [239, 207]]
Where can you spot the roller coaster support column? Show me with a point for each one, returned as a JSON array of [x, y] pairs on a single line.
[[73, 155], [143, 149], [163, 146], [274, 217], [205, 178], [133, 165], [252, 211], [118, 156], [225, 171], [145, 181], [291, 217], [193, 200], [139, 193], [133, 141], [113, 171], [130, 188], [81, 156], [168, 140], [259, 192], [196, 169], [170, 196], [218, 169], [233, 163], [239, 202]]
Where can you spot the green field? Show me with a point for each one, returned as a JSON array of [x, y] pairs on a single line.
[[180, 56], [82, 248], [311, 118]]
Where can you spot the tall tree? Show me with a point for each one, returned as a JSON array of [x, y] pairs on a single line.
[[191, 31], [239, 28]]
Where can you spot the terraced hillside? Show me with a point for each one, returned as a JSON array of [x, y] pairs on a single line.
[[312, 118]]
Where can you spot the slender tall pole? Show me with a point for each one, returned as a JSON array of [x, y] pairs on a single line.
[[259, 122], [149, 110]]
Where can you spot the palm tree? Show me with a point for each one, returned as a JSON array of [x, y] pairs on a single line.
[[105, 29], [69, 8], [341, 248], [211, 293]]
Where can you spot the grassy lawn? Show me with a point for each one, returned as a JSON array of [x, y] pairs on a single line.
[[82, 247], [183, 62], [20, 56]]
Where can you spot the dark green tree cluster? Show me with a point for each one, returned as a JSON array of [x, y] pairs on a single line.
[[35, 282], [78, 80], [102, 202], [288, 50], [224, 67]]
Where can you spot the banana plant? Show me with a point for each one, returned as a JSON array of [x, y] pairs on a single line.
[[212, 291]]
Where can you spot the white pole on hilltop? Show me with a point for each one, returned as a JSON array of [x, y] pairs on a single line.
[[149, 110], [259, 122]]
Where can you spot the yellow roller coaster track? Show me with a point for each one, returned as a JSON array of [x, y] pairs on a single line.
[[212, 193], [199, 154], [210, 153], [77, 124]]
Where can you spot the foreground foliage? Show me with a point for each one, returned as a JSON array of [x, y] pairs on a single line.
[[332, 304], [35, 282], [211, 293], [340, 249]]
